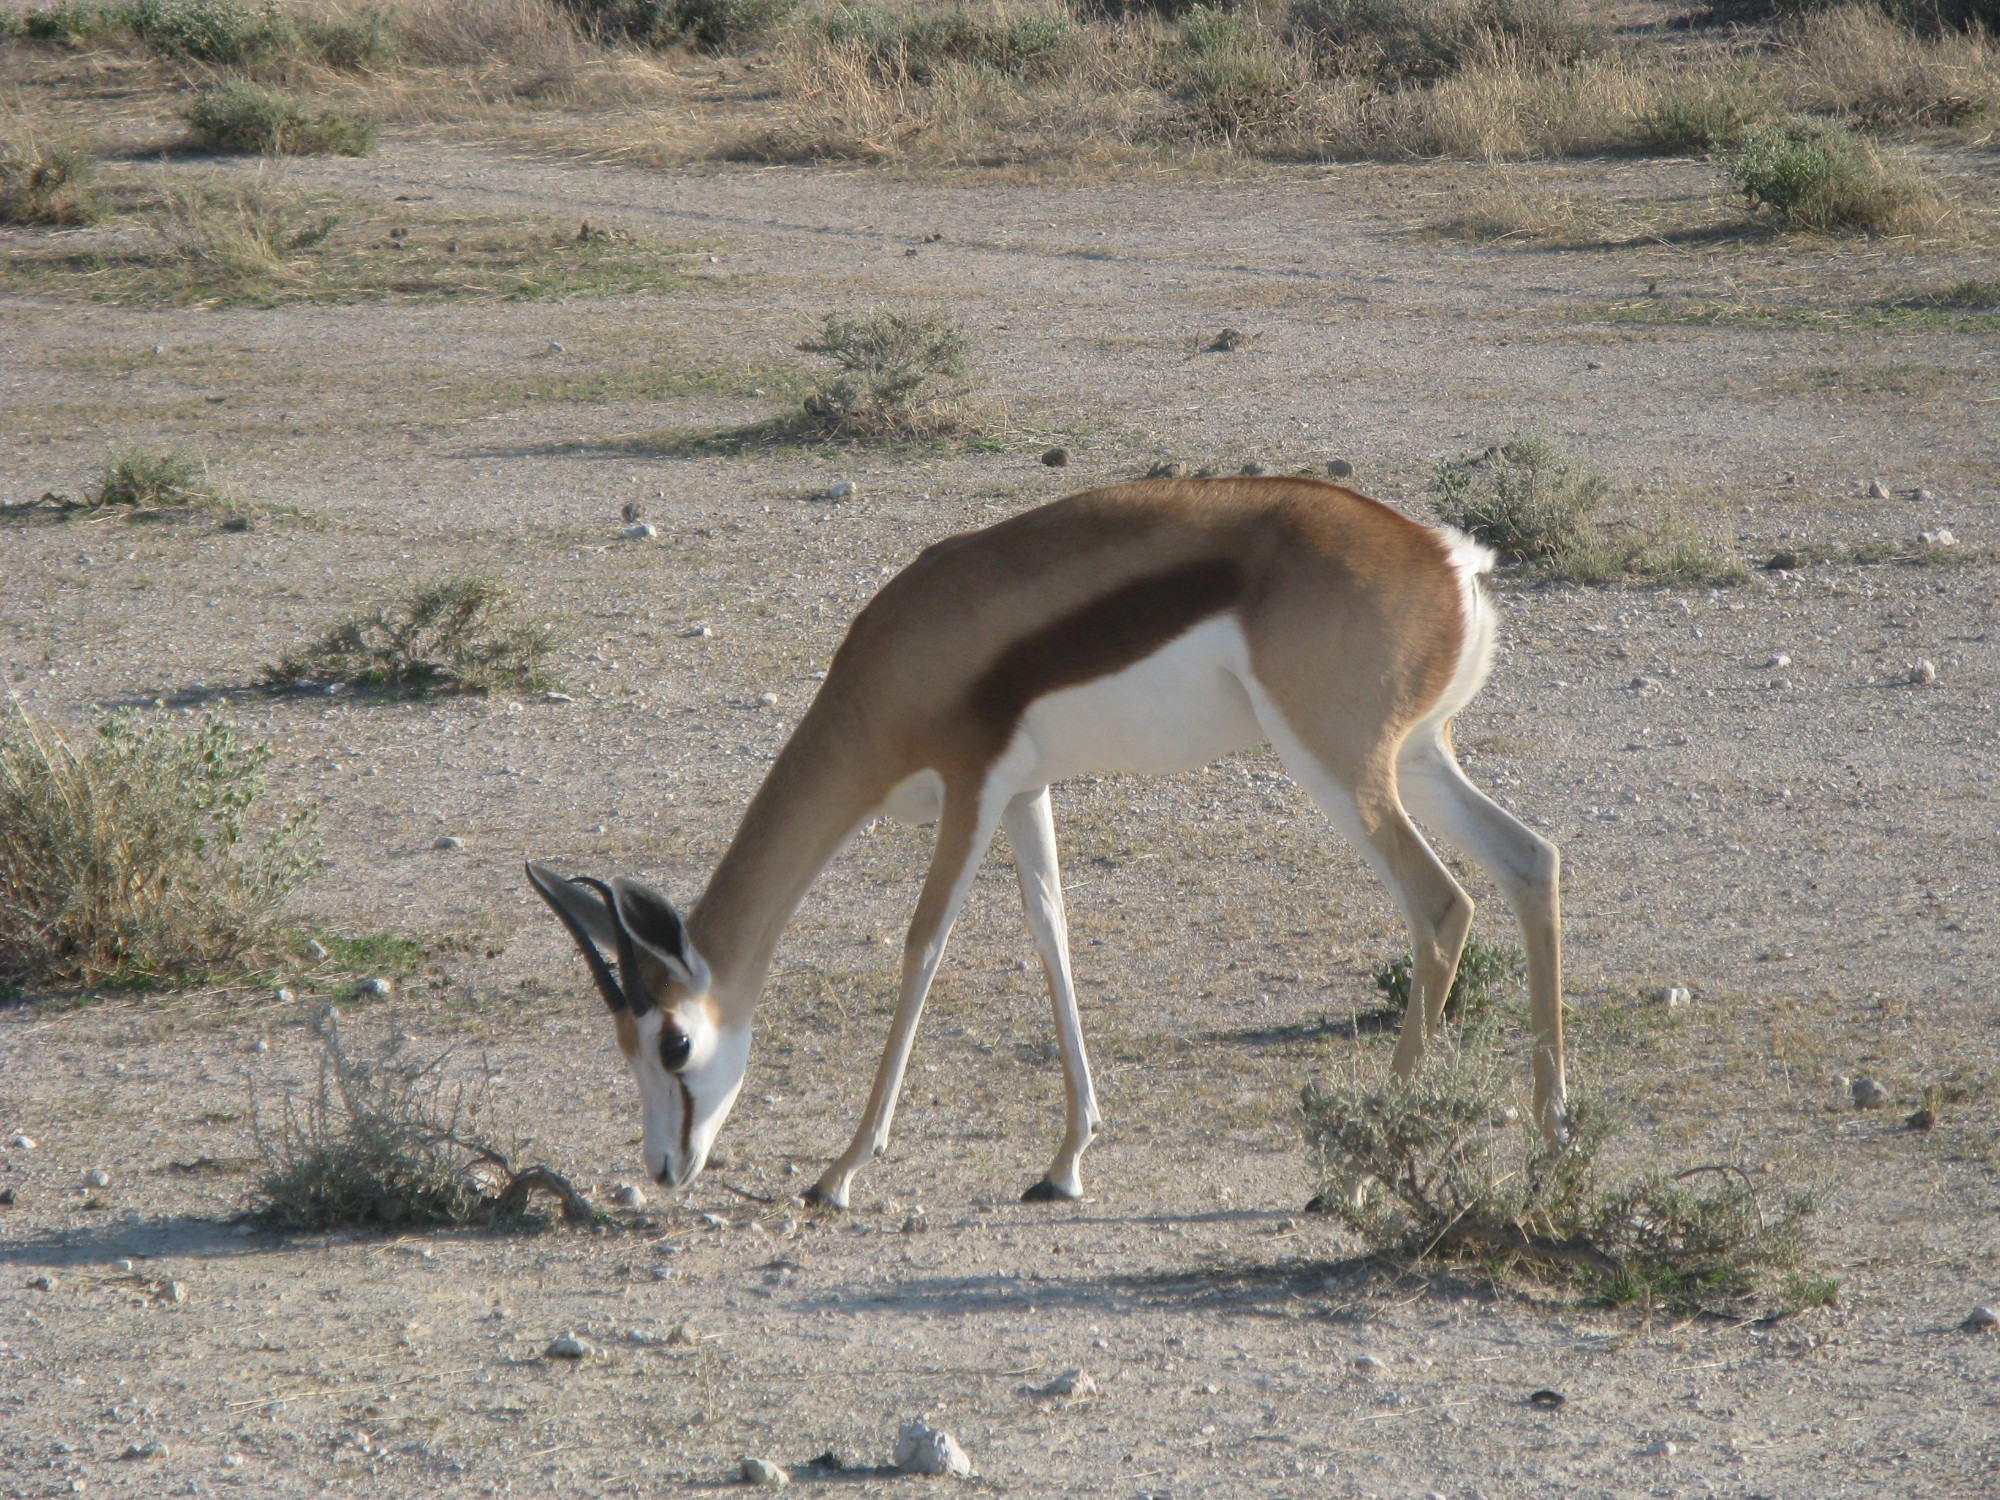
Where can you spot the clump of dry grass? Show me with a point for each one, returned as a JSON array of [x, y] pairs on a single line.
[[126, 858], [238, 115], [461, 636], [1442, 1166], [899, 376], [45, 183], [1853, 62], [238, 234], [391, 1139], [1422, 41]]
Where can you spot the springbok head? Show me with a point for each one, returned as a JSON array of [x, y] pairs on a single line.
[[689, 1066]]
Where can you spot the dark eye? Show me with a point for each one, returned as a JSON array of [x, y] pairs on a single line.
[[674, 1050]]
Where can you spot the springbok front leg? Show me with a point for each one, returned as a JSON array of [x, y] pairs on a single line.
[[964, 830], [1031, 832], [1527, 869]]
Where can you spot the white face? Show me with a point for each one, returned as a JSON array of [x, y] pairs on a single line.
[[685, 1107]]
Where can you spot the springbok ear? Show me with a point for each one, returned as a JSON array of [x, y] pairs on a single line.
[[588, 915], [655, 928]]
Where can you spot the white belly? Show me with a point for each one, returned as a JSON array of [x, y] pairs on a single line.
[[1175, 710]]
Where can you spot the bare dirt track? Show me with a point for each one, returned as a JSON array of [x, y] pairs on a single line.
[[1811, 847]]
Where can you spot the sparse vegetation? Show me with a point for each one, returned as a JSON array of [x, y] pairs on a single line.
[[899, 375], [1811, 175], [707, 23], [146, 480], [394, 1140], [237, 235], [1485, 972], [462, 636], [1422, 41], [47, 184], [127, 858], [238, 115], [1440, 1167]]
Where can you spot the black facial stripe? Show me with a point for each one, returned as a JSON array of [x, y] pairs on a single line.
[[687, 1115]]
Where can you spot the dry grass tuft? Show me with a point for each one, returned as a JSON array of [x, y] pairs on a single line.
[[43, 183], [146, 481], [238, 115], [456, 637], [124, 858], [1855, 63], [900, 376], [236, 234]]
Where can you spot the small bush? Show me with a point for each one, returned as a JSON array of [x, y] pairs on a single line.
[[1524, 498], [1228, 76], [1441, 1167], [46, 184], [149, 481], [456, 637], [919, 44], [1811, 175], [210, 31], [707, 23], [234, 231], [126, 857], [389, 1139], [900, 375], [1422, 41], [364, 43], [241, 116], [1702, 114], [1484, 972]]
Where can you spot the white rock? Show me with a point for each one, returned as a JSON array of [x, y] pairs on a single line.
[[626, 1195], [757, 1471], [175, 1292], [569, 1346], [1076, 1383], [23, 1142], [841, 489], [283, 996], [232, 1460], [446, 841], [1368, 1364], [1942, 537], [1983, 1320], [1674, 996], [1868, 1094], [1778, 659], [552, 696], [316, 951], [1924, 672], [121, 1264], [555, 347], [639, 531], [767, 700], [374, 988], [922, 1449], [260, 1046], [1661, 1449], [1877, 490], [97, 1177], [714, 1221]]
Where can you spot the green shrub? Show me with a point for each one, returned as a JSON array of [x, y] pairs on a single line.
[[1813, 175], [917, 44], [898, 376], [127, 857], [46, 184], [1483, 972], [456, 637], [1524, 499], [1227, 75], [1421, 41], [707, 23], [80, 23], [1702, 114], [364, 43], [211, 31], [241, 116], [150, 481]]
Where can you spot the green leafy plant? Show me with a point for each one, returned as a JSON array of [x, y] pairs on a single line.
[[1524, 498], [1814, 175], [899, 375], [129, 856], [237, 115], [918, 43], [1228, 76], [460, 636], [1485, 971]]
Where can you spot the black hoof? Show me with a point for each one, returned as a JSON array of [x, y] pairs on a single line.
[[816, 1198], [1047, 1192]]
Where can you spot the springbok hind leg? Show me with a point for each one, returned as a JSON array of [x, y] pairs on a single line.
[[964, 831], [1527, 869]]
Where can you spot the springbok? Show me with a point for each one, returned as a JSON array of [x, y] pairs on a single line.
[[1141, 628]]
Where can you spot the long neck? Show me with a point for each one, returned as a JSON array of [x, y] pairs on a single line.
[[826, 779]]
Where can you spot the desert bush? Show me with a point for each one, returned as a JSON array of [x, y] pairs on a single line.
[[1813, 175], [1524, 498], [1485, 971], [390, 1139], [1228, 74], [1441, 1166], [127, 857], [232, 231], [708, 23], [211, 31], [899, 375], [147, 480], [45, 184], [1855, 63], [238, 115], [461, 636], [919, 44], [1702, 112], [1421, 41], [367, 41]]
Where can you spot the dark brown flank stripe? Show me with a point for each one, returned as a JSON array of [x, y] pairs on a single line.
[[1107, 635]]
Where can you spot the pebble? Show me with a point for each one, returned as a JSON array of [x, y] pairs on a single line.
[[175, 1292], [922, 1449], [1339, 468], [232, 1460], [1368, 1364], [43, 1283], [1674, 996], [552, 696], [1942, 537], [446, 841], [1924, 673], [1662, 1449], [767, 700], [569, 1346], [1983, 1320], [697, 633], [121, 1264], [714, 1221], [1778, 659], [1056, 458], [757, 1471], [839, 490], [638, 531], [1921, 1118], [1877, 490], [147, 1451], [626, 1195], [373, 987], [1868, 1094], [22, 1142], [97, 1177], [555, 347], [1076, 1383], [316, 951]]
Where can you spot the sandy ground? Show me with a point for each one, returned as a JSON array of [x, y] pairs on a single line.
[[1811, 848]]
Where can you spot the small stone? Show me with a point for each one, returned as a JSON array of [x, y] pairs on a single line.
[[595, 828], [1982, 1320], [1877, 490], [174, 1292], [232, 1460], [1674, 996], [767, 700], [552, 696], [1938, 539], [122, 1264], [1056, 458], [626, 1195], [1661, 1449], [555, 347], [569, 1346], [146, 1452], [1368, 1364], [922, 1449], [638, 531], [714, 1221], [757, 1471], [373, 988], [1229, 341], [1921, 1118], [1074, 1383], [22, 1142], [43, 1283], [1921, 495], [1867, 1093], [697, 633], [839, 490], [260, 1046], [1924, 673], [680, 1336], [316, 951], [1339, 468], [1778, 659], [446, 841], [1784, 562], [97, 1177]]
